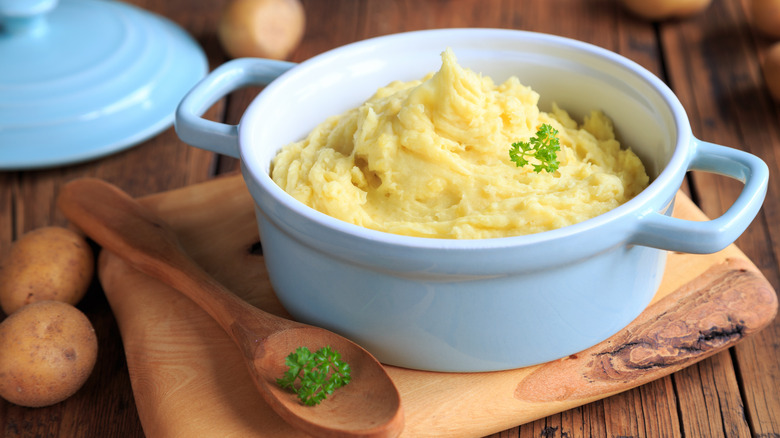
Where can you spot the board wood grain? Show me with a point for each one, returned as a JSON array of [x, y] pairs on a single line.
[[188, 379]]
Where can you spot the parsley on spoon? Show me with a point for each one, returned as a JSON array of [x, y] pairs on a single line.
[[369, 406]]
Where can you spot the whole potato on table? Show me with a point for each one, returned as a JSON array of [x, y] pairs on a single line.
[[49, 263], [261, 28], [47, 351]]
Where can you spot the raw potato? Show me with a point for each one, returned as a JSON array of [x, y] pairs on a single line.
[[49, 263], [766, 16], [261, 28], [772, 71], [47, 351], [665, 9]]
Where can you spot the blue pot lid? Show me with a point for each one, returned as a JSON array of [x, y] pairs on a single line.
[[81, 79]]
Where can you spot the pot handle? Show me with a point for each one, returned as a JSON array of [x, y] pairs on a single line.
[[703, 237], [230, 76]]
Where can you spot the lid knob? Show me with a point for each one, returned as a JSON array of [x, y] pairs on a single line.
[[24, 16]]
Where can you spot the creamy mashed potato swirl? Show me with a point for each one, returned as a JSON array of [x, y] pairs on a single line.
[[430, 158]]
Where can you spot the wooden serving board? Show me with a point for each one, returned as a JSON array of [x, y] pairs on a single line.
[[189, 380]]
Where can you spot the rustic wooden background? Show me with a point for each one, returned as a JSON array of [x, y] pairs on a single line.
[[712, 61]]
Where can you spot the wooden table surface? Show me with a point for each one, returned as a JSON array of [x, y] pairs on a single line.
[[711, 61]]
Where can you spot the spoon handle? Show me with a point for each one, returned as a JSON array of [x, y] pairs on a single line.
[[121, 225]]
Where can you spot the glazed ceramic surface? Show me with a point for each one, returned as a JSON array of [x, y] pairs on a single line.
[[471, 305], [80, 79]]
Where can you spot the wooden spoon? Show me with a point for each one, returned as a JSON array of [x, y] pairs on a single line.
[[369, 406]]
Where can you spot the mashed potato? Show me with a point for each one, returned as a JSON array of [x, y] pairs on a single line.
[[431, 158]]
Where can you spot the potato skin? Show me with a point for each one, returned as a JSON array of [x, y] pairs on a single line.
[[47, 351], [261, 28], [49, 263]]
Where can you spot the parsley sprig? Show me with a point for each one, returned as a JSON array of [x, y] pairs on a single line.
[[319, 374], [543, 147]]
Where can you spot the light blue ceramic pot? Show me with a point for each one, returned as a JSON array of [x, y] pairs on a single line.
[[471, 305]]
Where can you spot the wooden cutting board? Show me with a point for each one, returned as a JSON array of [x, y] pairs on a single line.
[[188, 379]]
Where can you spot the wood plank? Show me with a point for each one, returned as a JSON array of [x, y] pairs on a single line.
[[660, 419], [7, 212], [619, 417]]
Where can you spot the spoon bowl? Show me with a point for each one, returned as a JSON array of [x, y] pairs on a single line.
[[369, 406]]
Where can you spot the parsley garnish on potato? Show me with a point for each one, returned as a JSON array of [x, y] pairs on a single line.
[[543, 147]]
